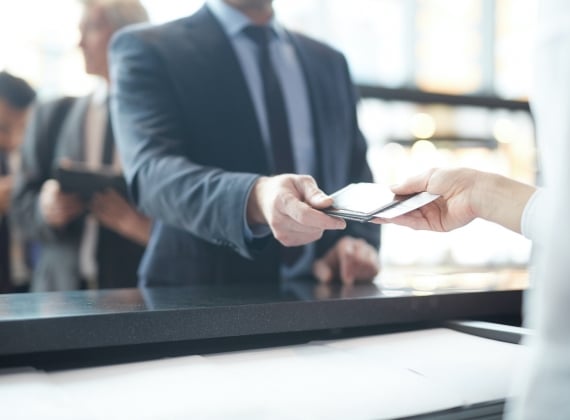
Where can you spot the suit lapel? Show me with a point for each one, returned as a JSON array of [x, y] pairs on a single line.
[[213, 54]]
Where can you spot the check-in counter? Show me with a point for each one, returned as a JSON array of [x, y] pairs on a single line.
[[293, 344]]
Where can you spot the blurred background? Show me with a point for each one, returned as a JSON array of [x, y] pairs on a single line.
[[443, 83]]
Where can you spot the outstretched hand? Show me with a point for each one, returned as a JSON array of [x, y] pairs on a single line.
[[289, 205], [465, 194], [454, 208]]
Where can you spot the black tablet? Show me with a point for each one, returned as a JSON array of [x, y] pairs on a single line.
[[78, 178]]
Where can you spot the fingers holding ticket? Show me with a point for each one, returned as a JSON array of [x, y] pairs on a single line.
[[365, 201]]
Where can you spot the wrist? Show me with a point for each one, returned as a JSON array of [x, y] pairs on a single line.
[[254, 211], [502, 200], [486, 186]]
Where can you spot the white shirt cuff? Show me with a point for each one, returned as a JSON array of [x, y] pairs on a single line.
[[530, 219]]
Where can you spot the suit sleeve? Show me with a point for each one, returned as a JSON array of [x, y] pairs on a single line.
[[150, 132]]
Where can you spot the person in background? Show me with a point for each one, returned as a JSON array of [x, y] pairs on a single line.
[[540, 214], [86, 243], [16, 96], [224, 120]]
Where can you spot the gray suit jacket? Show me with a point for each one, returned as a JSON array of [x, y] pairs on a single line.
[[56, 130], [192, 149]]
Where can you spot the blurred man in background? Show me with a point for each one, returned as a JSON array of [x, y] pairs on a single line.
[[93, 242], [16, 96]]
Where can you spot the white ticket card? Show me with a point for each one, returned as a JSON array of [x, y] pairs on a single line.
[[407, 205], [363, 197]]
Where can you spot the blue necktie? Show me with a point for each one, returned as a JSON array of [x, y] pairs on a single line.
[[282, 151], [278, 122]]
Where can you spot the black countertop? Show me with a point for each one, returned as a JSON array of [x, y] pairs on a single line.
[[70, 321]]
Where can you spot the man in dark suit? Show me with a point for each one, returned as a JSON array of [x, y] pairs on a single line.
[[86, 241], [215, 114], [16, 96]]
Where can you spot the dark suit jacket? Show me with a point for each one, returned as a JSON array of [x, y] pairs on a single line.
[[192, 148], [56, 130], [5, 280]]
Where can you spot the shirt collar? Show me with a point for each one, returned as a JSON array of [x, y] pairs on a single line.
[[100, 93], [233, 21]]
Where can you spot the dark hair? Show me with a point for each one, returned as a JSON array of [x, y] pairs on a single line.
[[15, 91]]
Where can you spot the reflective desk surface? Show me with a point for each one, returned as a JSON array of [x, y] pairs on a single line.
[[79, 320], [292, 349]]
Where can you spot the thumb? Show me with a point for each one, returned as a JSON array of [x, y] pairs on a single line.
[[414, 184], [312, 194]]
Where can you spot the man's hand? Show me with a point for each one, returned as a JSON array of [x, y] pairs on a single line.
[[288, 205], [57, 207], [350, 260], [116, 213], [5, 193]]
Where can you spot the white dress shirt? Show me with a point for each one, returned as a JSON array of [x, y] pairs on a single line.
[[530, 221], [296, 96], [95, 130], [544, 386], [20, 273]]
